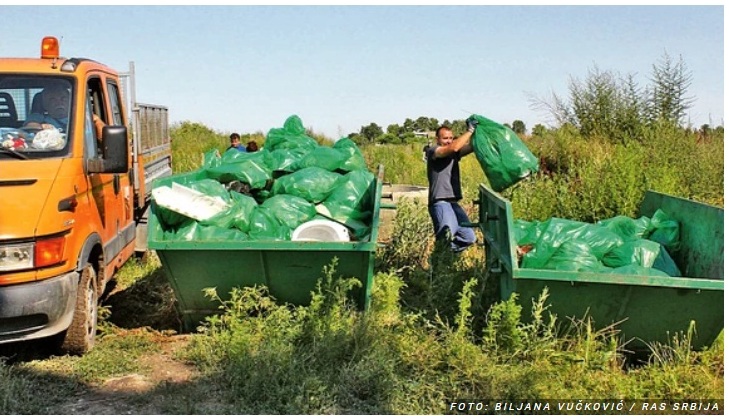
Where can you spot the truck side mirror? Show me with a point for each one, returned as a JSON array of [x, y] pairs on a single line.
[[115, 148]]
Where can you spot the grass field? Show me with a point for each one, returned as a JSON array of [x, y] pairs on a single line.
[[435, 332]]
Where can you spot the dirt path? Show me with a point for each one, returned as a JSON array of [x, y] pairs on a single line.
[[146, 393]]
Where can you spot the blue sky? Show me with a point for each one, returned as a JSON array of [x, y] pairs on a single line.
[[247, 68]]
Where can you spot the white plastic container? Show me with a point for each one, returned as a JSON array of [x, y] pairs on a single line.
[[188, 202], [320, 230]]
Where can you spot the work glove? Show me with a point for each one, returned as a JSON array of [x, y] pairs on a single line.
[[471, 124]]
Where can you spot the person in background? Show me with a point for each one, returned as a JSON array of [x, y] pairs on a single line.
[[56, 101], [252, 146], [235, 143], [444, 186]]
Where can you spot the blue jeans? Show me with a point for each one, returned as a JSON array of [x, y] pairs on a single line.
[[447, 217]]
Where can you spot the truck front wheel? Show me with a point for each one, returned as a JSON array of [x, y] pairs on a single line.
[[79, 337]]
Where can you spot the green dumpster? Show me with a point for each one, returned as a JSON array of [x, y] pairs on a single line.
[[646, 308], [290, 269]]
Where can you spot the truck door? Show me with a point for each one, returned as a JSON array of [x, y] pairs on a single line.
[[111, 192]]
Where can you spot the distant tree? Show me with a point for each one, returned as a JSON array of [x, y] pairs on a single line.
[[408, 125], [433, 124], [603, 105], [357, 138], [708, 132], [596, 103], [409, 137], [631, 110], [668, 97], [413, 139], [389, 138], [424, 124], [188, 128], [394, 129], [539, 130], [518, 126], [371, 132]]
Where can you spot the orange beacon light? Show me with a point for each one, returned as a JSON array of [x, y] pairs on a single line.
[[49, 47]]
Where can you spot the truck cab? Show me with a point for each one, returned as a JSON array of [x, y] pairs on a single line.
[[73, 176]]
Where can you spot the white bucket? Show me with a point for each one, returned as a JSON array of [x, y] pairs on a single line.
[[320, 230]]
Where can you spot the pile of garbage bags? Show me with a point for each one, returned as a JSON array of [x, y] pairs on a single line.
[[266, 195], [616, 245]]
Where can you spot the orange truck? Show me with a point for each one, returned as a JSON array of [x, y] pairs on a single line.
[[77, 155]]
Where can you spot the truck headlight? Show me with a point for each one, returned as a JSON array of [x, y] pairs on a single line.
[[24, 256], [16, 256]]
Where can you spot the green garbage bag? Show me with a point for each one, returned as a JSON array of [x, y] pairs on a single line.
[[162, 230], [313, 184], [291, 136], [354, 160], [352, 196], [554, 233], [283, 159], [243, 206], [222, 220], [641, 252], [664, 230], [527, 233], [211, 159], [350, 203], [642, 225], [665, 263], [184, 231], [211, 187], [557, 230], [574, 256], [503, 157], [322, 157], [167, 217], [627, 228], [290, 210], [265, 226], [236, 156], [236, 216], [251, 171], [215, 233]]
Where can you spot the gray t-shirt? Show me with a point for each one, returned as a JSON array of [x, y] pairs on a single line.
[[444, 177]]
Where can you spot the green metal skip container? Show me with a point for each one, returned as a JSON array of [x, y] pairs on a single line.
[[290, 269], [646, 308]]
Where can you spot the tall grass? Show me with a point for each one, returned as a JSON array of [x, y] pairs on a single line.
[[435, 330], [588, 180], [331, 358], [191, 140]]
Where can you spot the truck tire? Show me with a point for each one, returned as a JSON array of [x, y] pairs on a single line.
[[79, 337]]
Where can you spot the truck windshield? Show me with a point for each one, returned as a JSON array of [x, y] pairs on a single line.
[[34, 115]]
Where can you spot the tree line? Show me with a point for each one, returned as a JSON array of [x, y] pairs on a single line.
[[605, 104], [420, 130]]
